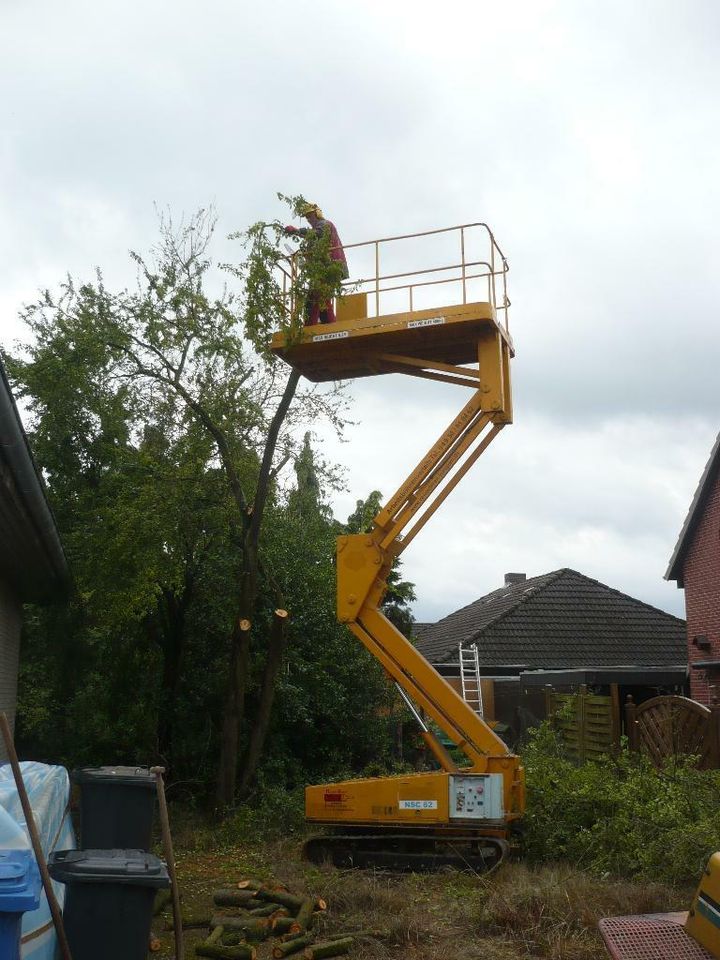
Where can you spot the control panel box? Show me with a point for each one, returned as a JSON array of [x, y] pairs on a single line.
[[477, 796]]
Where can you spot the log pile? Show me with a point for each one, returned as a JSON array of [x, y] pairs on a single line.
[[253, 913]]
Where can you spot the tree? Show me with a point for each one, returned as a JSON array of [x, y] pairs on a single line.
[[168, 377], [334, 700]]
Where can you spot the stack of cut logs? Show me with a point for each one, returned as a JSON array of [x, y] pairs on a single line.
[[265, 912]]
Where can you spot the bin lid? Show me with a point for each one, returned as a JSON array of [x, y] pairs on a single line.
[[108, 866], [19, 881], [128, 776]]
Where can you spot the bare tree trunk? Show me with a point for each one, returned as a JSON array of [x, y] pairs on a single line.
[[273, 662], [233, 712]]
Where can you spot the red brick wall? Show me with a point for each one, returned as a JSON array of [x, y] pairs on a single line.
[[701, 574]]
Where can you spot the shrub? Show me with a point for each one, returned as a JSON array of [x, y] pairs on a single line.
[[619, 816], [271, 812]]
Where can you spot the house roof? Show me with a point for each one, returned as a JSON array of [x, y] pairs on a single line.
[[559, 620], [32, 560], [707, 482]]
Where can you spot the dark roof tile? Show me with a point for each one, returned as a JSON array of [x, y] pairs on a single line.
[[558, 620]]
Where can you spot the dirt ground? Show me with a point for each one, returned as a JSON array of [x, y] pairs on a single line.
[[516, 912]]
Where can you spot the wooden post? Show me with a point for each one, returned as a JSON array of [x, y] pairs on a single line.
[[714, 731], [170, 859], [616, 719], [34, 838], [548, 701], [631, 722], [581, 721]]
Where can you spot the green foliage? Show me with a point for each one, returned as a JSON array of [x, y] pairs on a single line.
[[329, 677], [273, 812], [620, 816], [278, 281], [151, 409]]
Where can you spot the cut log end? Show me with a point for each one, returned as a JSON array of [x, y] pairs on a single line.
[[248, 884]]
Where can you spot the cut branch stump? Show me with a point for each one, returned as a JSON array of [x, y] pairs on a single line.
[[253, 929], [293, 903], [234, 898], [304, 915], [289, 947], [240, 952], [333, 948]]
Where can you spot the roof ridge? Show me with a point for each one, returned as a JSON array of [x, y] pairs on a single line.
[[467, 606], [625, 596], [551, 578]]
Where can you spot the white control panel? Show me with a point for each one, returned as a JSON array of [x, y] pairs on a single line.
[[477, 796]]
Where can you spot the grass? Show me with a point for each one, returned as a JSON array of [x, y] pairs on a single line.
[[516, 912]]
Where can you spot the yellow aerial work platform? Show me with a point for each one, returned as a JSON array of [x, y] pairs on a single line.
[[445, 322], [368, 339], [423, 340]]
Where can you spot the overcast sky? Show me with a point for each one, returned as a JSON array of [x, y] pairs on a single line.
[[585, 133]]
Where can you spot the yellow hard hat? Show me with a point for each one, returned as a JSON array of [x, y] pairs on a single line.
[[305, 208]]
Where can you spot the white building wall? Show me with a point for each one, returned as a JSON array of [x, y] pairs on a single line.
[[10, 623]]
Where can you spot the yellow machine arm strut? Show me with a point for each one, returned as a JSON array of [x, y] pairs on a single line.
[[364, 560]]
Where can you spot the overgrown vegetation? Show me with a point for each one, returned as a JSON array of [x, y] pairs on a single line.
[[168, 434], [620, 816], [516, 913]]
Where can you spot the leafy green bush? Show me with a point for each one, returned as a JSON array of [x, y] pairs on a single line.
[[271, 813], [619, 816]]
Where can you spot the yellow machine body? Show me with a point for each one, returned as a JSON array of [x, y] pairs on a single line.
[[411, 800], [703, 922], [421, 798], [463, 344]]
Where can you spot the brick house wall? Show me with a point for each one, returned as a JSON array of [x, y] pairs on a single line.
[[10, 623], [701, 579]]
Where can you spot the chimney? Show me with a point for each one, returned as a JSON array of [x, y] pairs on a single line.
[[511, 578]]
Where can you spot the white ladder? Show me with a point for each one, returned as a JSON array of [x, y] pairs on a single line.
[[470, 678]]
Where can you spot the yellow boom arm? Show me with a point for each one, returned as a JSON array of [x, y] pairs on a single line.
[[364, 560]]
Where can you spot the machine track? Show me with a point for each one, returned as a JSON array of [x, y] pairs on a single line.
[[404, 851]]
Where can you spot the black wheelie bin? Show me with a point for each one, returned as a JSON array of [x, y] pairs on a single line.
[[109, 900], [116, 807]]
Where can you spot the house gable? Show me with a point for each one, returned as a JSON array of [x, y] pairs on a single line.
[[701, 579], [559, 620]]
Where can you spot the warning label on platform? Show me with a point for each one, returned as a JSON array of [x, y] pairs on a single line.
[[428, 322], [418, 805], [339, 335]]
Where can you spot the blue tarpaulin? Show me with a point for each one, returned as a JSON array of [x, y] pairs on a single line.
[[48, 789]]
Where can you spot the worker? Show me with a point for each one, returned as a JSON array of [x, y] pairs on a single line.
[[319, 307]]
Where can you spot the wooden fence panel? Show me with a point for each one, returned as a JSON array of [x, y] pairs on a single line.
[[671, 726], [585, 722]]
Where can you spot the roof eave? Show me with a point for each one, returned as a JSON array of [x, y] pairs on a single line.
[[30, 488], [675, 567]]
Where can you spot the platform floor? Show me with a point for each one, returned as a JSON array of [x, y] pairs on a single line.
[[354, 348], [653, 936]]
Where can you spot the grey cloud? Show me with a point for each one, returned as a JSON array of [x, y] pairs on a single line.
[[584, 133]]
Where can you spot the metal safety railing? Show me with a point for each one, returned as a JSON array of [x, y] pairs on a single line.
[[464, 265]]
